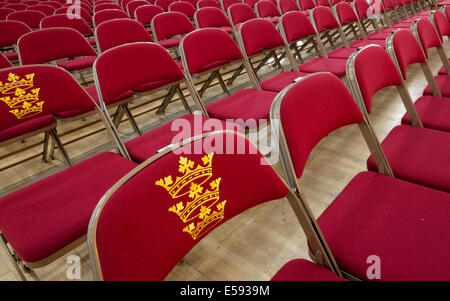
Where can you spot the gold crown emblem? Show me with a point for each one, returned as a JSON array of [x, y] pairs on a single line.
[[23, 103], [203, 210]]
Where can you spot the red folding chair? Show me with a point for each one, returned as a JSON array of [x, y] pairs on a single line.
[[4, 62], [266, 9], [30, 2], [250, 3], [207, 3], [169, 28], [183, 7], [55, 4], [375, 214], [365, 14], [108, 14], [164, 4], [212, 17], [83, 13], [47, 10], [239, 13], [407, 148], [4, 12], [132, 5], [79, 25], [221, 194], [103, 6], [287, 5], [30, 17], [207, 51], [440, 22], [225, 4], [144, 14], [11, 32], [16, 6], [306, 5]]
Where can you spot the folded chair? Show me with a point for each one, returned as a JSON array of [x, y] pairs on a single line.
[[415, 153], [47, 10], [108, 14], [375, 214], [287, 5], [207, 51], [212, 17], [254, 44], [144, 14], [30, 17], [61, 20], [433, 109], [266, 9], [169, 28], [11, 32], [117, 243], [207, 3], [4, 63], [4, 12]]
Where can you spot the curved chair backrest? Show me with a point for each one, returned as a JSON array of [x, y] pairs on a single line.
[[164, 4], [254, 43], [306, 4], [239, 13], [47, 10], [207, 3], [211, 17], [426, 34], [11, 32], [104, 6], [4, 62], [287, 6], [183, 7], [225, 4], [324, 18], [30, 17], [132, 5], [266, 9], [108, 14], [144, 14], [170, 24], [295, 25], [62, 21], [4, 12], [441, 23], [345, 13]]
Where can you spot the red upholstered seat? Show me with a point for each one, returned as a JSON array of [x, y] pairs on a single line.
[[26, 127], [12, 56], [443, 82], [244, 104], [400, 222], [335, 66], [212, 17], [170, 43], [166, 26], [418, 155], [362, 43], [433, 112], [44, 217], [280, 81], [144, 14], [304, 270], [341, 53], [4, 62], [77, 64], [379, 35], [92, 91]]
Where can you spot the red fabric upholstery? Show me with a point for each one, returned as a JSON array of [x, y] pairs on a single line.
[[145, 14], [47, 10], [362, 8], [443, 82], [211, 17], [167, 25], [4, 62], [170, 43], [55, 4], [280, 81], [341, 53], [324, 18], [16, 6], [345, 13], [11, 32], [183, 7], [11, 56], [4, 12], [442, 24], [287, 6], [363, 43], [246, 105], [132, 5], [407, 50], [227, 3], [108, 14], [398, 221], [44, 217], [433, 112], [207, 3], [143, 147], [373, 77], [266, 8], [104, 6], [308, 103], [30, 17], [208, 46], [26, 127], [43, 46], [121, 240], [141, 58], [379, 35], [62, 21], [77, 64], [304, 270], [335, 66], [254, 42], [117, 32], [296, 25], [240, 13], [418, 155], [427, 35], [164, 4], [306, 4]]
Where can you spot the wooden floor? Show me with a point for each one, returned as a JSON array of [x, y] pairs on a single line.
[[255, 244]]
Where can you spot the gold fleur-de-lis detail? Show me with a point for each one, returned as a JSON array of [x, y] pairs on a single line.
[[185, 165], [26, 105], [20, 92], [215, 184], [204, 212], [189, 228], [166, 182], [195, 190], [177, 208], [207, 159], [221, 205], [12, 77]]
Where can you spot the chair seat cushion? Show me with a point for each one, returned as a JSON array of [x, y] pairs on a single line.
[[418, 155], [26, 127], [443, 82], [92, 41], [92, 91], [153, 85], [341, 53], [335, 66], [442, 71], [363, 43], [246, 105], [77, 64], [274, 20], [401, 25], [378, 35], [170, 43], [433, 111], [304, 270], [227, 29], [280, 81], [404, 224], [11, 56], [44, 217], [143, 147]]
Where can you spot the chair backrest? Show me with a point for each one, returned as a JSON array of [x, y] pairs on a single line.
[[426, 34], [207, 3], [306, 4], [117, 32], [4, 12], [404, 49], [164, 4], [16, 6], [441, 23], [250, 3], [362, 8], [171, 214], [311, 109], [31, 91], [387, 5], [295, 25], [207, 48], [266, 9], [30, 2], [147, 62], [253, 42], [132, 5], [44, 45], [211, 17], [144, 14], [47, 10], [287, 6], [170, 24], [62, 21], [108, 14], [326, 3], [345, 13], [324, 18], [183, 7], [30, 17], [11, 32], [225, 4], [370, 70], [124, 4], [55, 4], [4, 62], [104, 6], [239, 13]]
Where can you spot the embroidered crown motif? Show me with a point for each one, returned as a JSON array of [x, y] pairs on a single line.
[[203, 208], [23, 103]]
